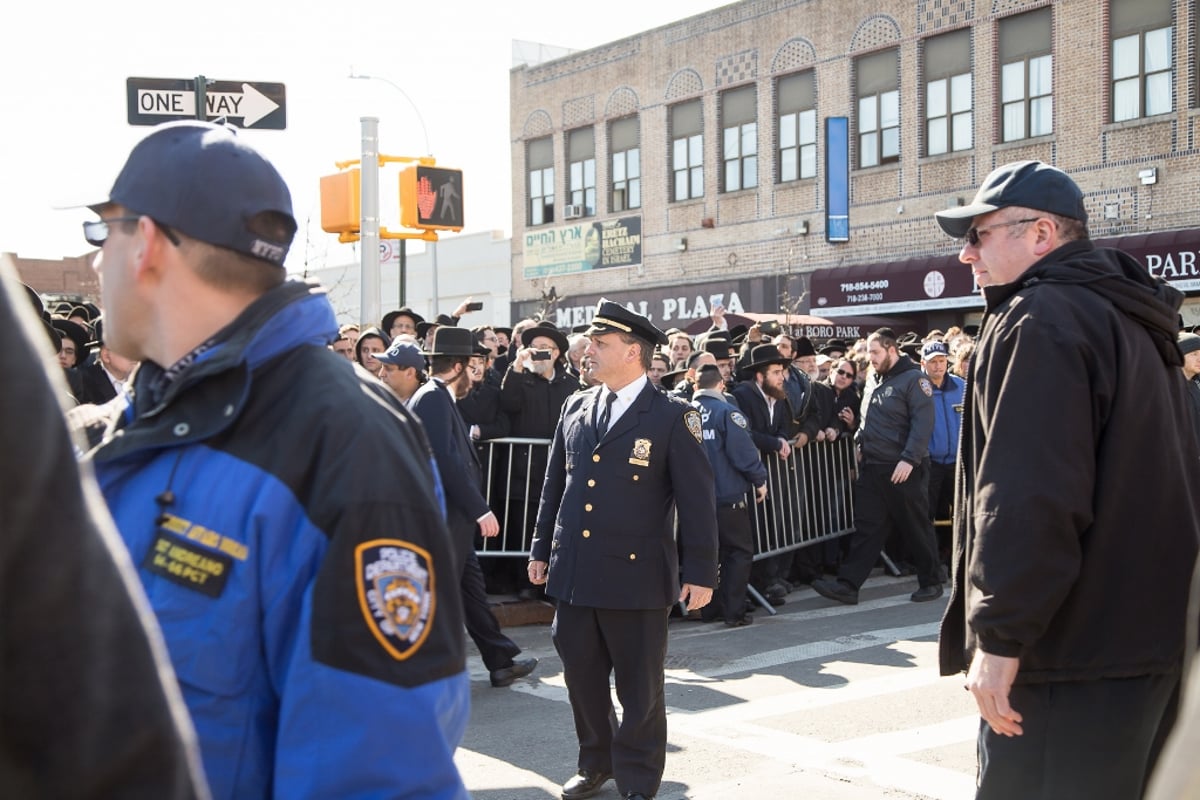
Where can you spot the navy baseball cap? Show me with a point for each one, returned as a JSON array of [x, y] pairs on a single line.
[[202, 180], [932, 349], [1027, 184], [403, 354]]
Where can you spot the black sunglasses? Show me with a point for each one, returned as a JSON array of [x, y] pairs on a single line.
[[96, 231], [972, 236], [845, 373]]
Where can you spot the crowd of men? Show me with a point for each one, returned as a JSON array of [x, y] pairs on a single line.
[[297, 595]]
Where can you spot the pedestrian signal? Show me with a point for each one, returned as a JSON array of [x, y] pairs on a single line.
[[431, 198]]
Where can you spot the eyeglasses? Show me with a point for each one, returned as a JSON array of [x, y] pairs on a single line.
[[95, 232], [845, 374], [972, 237]]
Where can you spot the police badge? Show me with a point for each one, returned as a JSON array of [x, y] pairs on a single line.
[[395, 592], [641, 453], [692, 418], [926, 386]]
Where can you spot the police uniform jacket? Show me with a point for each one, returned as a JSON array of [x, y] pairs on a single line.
[[606, 523], [898, 416], [737, 467], [285, 517]]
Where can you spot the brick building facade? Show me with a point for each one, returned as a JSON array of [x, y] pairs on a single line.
[[699, 151]]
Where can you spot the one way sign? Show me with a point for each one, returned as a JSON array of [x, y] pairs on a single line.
[[254, 105]]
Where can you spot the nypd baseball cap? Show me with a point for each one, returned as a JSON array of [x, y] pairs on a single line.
[[403, 354], [933, 349], [1027, 184], [202, 180]]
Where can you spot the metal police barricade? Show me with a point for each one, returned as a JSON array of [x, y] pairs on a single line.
[[810, 499], [514, 469]]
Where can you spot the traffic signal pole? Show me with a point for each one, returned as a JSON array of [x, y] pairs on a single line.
[[369, 311]]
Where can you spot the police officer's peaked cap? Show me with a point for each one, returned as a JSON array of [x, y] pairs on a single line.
[[615, 318]]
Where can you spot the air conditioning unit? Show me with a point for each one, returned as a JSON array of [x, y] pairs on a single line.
[[574, 212]]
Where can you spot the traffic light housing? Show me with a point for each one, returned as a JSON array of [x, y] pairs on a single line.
[[431, 198], [341, 196]]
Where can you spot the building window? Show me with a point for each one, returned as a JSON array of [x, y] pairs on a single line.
[[581, 170], [949, 121], [877, 87], [1141, 58], [540, 160], [624, 143], [797, 127], [1026, 76], [687, 150], [739, 142]]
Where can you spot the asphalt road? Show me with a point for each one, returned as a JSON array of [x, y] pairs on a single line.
[[821, 701]]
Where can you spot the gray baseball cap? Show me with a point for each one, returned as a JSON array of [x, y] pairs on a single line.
[[1027, 184]]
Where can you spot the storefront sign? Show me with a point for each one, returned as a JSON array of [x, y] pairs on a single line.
[[583, 247]]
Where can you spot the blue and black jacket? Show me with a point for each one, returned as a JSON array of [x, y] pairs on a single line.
[[288, 526], [943, 444]]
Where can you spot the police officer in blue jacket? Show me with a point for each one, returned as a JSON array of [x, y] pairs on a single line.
[[737, 469], [948, 392], [281, 504], [624, 459]]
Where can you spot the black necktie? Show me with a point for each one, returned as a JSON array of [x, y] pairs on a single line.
[[605, 414]]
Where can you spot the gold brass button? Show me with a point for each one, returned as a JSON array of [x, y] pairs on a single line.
[[635, 477], [633, 556], [586, 534], [591, 481], [596, 457], [587, 507]]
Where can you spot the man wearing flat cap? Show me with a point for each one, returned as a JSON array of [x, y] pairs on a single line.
[[302, 598], [624, 459], [1069, 595]]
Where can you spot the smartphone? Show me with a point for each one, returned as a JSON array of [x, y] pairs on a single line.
[[770, 327], [541, 355], [475, 306]]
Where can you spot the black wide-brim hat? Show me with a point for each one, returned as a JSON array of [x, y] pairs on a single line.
[[834, 346], [443, 320], [764, 355], [76, 333], [615, 318], [451, 341], [547, 329], [390, 318], [669, 379]]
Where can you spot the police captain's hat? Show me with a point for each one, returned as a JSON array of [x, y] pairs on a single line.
[[204, 181], [1026, 184], [615, 318]]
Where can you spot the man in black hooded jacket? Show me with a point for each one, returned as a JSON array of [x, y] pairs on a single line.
[[1075, 522]]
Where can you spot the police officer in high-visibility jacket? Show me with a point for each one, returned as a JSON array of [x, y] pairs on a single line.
[[737, 469]]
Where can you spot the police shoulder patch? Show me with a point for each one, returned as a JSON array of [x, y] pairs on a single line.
[[692, 418], [926, 386], [395, 582], [738, 419]]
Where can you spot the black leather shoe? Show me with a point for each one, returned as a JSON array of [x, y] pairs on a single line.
[[836, 590], [927, 593], [519, 669], [739, 622], [585, 784]]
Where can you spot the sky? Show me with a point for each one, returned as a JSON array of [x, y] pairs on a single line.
[[63, 71]]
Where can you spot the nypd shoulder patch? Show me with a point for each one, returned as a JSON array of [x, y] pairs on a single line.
[[395, 582], [738, 419], [926, 386], [692, 418]]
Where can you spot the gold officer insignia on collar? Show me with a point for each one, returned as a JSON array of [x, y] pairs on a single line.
[[641, 453]]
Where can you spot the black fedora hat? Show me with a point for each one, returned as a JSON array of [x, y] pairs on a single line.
[[764, 355], [669, 379], [77, 333], [390, 318], [547, 329], [615, 318], [804, 347], [451, 341], [721, 349], [442, 320], [834, 346]]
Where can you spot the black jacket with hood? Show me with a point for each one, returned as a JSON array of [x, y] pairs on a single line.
[[1076, 515]]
